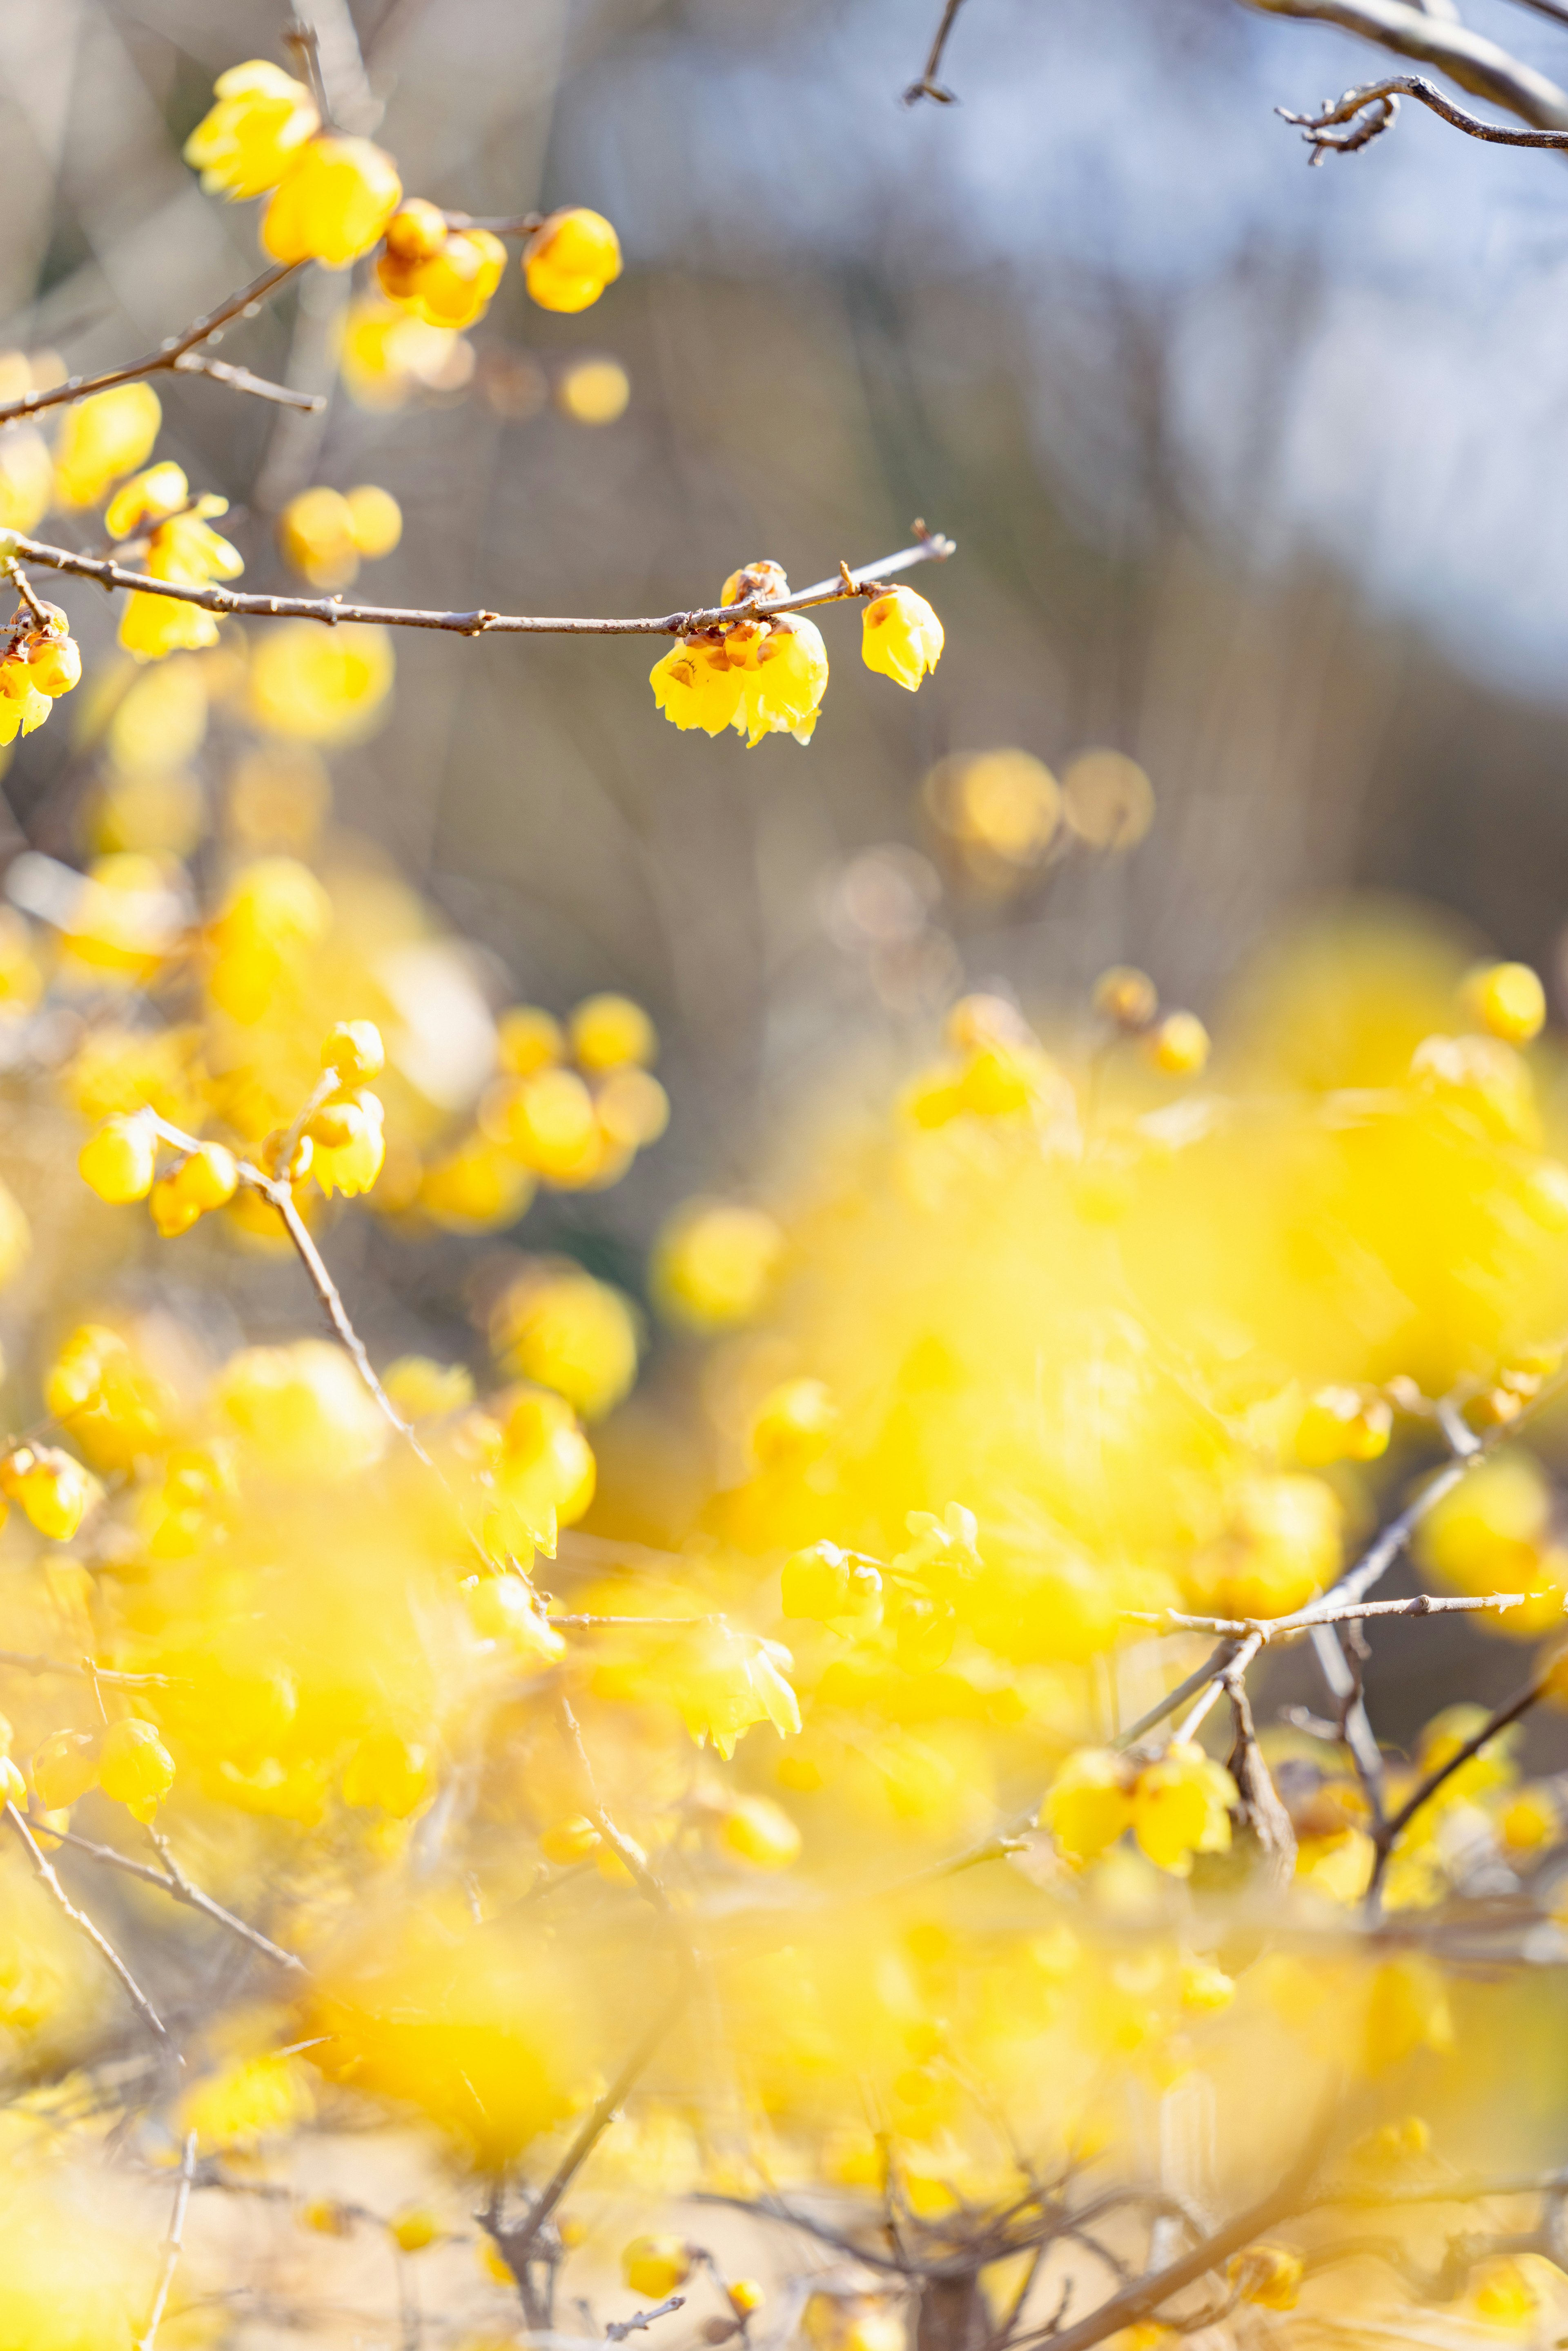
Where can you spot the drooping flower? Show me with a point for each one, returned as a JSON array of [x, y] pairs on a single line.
[[333, 204], [901, 637]]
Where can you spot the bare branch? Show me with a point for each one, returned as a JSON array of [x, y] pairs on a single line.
[[1478, 65], [1378, 102], [623, 2327], [95, 1935], [1396, 1826], [172, 1881], [172, 2245], [88, 1671], [932, 548], [166, 359], [1270, 1629], [240, 379], [928, 85]]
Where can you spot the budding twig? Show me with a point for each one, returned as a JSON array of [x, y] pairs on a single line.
[[172, 2245], [1379, 102], [94, 1933], [330, 610]]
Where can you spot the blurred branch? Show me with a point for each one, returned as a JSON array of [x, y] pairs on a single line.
[[623, 2327], [1282, 1628], [86, 1671], [1384, 97], [170, 357], [172, 2246], [931, 548], [172, 1881], [95, 1935], [1478, 65], [1388, 1835], [928, 85]]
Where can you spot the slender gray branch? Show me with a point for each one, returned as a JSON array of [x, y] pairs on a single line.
[[1482, 67]]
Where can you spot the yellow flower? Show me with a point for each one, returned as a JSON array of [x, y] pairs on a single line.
[[1269, 2275], [326, 686], [1181, 1805], [27, 479], [1089, 1803], [1177, 1045], [389, 1773], [248, 2100], [758, 1831], [324, 532], [181, 548], [723, 1681], [117, 1163], [334, 203], [135, 1768], [560, 1328], [53, 1489], [450, 287], [64, 1768], [900, 636], [23, 708], [594, 392], [204, 1179], [569, 261], [350, 1144], [782, 695], [387, 353], [244, 144], [714, 1263], [103, 438], [609, 1031], [1508, 1000], [656, 2267], [696, 684], [504, 1609], [146, 497]]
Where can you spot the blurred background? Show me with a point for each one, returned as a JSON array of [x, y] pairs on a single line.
[[1257, 476]]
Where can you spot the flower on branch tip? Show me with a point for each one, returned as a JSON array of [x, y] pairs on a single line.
[[206, 1179], [119, 1162], [246, 142], [103, 438], [571, 259], [900, 636], [334, 203]]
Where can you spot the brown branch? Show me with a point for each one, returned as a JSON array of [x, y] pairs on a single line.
[[172, 1881], [172, 2245], [1392, 1829], [95, 1935], [1478, 65], [1284, 1628], [623, 2327], [1384, 96], [930, 548], [1262, 1809], [1143, 2299], [165, 360], [928, 85]]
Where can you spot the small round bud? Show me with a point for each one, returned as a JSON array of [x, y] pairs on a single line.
[[414, 2229], [746, 2297], [119, 1162], [1126, 995], [354, 1051], [1178, 1045], [416, 231], [1506, 1001]]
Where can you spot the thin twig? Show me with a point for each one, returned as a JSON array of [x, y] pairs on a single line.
[[928, 85], [1320, 136], [172, 2244], [331, 610], [165, 360], [1272, 1629], [95, 1935], [89, 1671], [1510, 1712], [1479, 66], [240, 379], [623, 2327]]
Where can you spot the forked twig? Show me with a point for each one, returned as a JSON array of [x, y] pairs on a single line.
[[172, 1881], [928, 85], [94, 1933], [1378, 103]]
